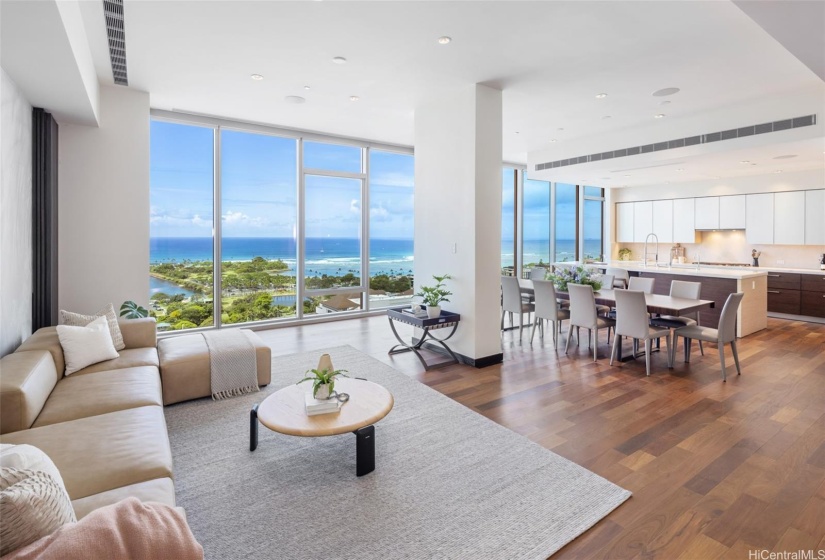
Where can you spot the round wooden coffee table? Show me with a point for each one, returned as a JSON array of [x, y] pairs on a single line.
[[283, 412]]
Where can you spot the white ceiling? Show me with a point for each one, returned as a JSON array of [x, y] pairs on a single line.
[[549, 58]]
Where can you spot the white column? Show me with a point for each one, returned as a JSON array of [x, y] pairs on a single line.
[[458, 211]]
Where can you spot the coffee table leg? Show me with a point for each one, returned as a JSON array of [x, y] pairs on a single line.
[[253, 428], [364, 450]]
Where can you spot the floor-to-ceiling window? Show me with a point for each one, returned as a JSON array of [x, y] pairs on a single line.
[[391, 221], [303, 224], [535, 223], [181, 249], [593, 223], [258, 242], [508, 220], [566, 226]]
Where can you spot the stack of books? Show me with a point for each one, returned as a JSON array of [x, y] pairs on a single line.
[[419, 313], [315, 406]]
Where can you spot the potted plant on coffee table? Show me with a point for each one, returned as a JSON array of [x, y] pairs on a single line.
[[434, 295], [323, 381]]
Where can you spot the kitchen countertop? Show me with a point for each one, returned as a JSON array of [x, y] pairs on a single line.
[[706, 271]]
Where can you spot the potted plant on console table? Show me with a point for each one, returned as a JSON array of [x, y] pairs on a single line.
[[434, 295]]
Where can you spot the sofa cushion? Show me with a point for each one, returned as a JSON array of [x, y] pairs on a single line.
[[32, 505], [161, 490], [28, 457], [105, 391], [185, 366], [26, 382], [131, 357], [80, 320], [139, 333], [46, 339], [87, 345], [104, 452]]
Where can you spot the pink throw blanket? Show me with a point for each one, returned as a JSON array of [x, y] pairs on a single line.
[[127, 530]]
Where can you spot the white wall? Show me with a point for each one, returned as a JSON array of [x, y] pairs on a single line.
[[731, 246], [15, 216], [458, 209], [104, 205]]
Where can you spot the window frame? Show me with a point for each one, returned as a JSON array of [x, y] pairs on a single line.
[[217, 125]]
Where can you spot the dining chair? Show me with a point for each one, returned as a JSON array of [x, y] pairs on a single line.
[[620, 277], [538, 273], [583, 314], [547, 309], [632, 320], [641, 284], [607, 284], [511, 302], [726, 333], [686, 290]]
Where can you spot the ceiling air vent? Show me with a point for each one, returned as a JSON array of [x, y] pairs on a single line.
[[798, 122], [113, 10]]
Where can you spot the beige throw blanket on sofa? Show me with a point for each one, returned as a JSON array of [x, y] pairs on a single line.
[[233, 363]]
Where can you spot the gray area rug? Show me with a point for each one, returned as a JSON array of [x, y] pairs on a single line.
[[448, 482]]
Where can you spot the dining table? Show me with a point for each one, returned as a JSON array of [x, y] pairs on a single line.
[[656, 303]]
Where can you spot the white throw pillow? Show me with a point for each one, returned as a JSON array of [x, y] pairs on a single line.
[[28, 457], [80, 320], [84, 346]]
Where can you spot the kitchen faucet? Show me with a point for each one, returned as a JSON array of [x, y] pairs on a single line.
[[656, 250]]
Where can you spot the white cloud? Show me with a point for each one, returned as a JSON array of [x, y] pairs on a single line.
[[355, 206]]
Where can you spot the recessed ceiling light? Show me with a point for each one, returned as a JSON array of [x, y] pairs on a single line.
[[256, 77], [601, 95], [664, 102], [354, 98], [306, 87], [552, 139], [627, 175], [339, 60], [444, 40], [667, 182], [604, 118], [560, 129], [516, 132], [778, 171], [665, 91], [659, 116], [744, 161], [679, 170], [789, 156], [294, 99]]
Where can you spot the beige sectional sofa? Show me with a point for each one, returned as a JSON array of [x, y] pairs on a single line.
[[103, 426]]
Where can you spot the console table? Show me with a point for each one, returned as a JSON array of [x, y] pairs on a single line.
[[445, 320]]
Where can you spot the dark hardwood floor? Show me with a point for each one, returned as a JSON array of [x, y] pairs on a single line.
[[716, 469]]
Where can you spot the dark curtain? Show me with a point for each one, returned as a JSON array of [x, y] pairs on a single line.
[[44, 219]]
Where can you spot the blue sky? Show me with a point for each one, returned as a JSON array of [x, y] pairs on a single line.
[[259, 175]]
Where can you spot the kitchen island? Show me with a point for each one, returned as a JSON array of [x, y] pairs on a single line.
[[717, 283]]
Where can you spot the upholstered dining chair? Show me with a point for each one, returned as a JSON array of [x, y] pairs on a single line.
[[726, 333], [511, 302], [547, 309], [686, 290], [632, 320], [583, 315], [642, 284], [607, 281], [620, 277]]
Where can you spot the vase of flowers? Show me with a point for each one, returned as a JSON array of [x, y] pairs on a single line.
[[575, 275]]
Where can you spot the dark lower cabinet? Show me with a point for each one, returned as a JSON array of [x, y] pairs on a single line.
[[784, 301], [796, 294], [812, 304]]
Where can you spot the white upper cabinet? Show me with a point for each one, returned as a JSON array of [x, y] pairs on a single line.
[[732, 214], [759, 219], [663, 220], [624, 222], [707, 212], [789, 218], [815, 217], [642, 220], [684, 217]]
